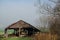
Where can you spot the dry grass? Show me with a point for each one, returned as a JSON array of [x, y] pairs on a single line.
[[45, 36]]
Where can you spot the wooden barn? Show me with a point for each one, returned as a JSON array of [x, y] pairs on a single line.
[[21, 28]]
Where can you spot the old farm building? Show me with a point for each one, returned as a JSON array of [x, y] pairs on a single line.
[[21, 28]]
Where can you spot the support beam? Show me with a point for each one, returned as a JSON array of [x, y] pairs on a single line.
[[19, 31], [6, 34]]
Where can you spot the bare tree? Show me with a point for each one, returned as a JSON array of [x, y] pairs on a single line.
[[44, 8], [55, 27], [47, 11], [54, 21]]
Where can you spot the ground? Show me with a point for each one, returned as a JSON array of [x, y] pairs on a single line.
[[14, 38]]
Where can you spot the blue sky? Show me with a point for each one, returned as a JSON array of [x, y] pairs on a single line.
[[15, 10]]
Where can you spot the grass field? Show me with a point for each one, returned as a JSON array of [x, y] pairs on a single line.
[[1, 32], [14, 38]]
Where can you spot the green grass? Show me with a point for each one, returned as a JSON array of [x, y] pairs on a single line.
[[16, 38], [9, 32], [1, 32]]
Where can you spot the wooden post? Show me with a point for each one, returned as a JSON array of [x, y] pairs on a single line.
[[6, 34], [19, 31]]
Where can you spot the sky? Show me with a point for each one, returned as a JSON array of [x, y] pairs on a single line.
[[14, 10]]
